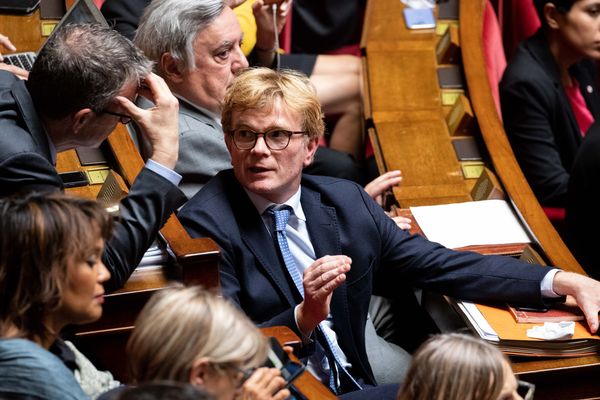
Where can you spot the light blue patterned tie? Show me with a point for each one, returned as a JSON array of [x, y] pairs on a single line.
[[280, 217]]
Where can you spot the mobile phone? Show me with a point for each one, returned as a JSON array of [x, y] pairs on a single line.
[[74, 179], [534, 309], [419, 18], [278, 358]]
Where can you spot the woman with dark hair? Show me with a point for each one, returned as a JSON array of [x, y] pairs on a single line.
[[51, 275], [549, 94]]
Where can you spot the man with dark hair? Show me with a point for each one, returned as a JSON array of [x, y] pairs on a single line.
[[82, 84]]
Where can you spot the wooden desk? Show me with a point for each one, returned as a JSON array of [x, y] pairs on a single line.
[[406, 121]]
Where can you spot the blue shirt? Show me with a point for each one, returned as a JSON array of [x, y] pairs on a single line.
[[28, 370]]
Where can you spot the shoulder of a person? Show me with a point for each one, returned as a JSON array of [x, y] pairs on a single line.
[[212, 195], [7, 79], [332, 186]]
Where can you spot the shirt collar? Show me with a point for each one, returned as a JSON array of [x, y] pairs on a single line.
[[262, 204]]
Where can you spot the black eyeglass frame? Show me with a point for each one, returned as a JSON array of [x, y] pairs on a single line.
[[246, 373], [124, 119], [266, 138]]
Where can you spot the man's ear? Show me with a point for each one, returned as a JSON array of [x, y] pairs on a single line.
[[171, 68], [80, 119], [199, 371], [311, 145], [229, 143], [552, 16]]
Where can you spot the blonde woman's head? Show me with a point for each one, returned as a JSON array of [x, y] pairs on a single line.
[[183, 327], [458, 367]]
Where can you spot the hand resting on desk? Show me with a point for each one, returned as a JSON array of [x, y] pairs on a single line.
[[586, 292]]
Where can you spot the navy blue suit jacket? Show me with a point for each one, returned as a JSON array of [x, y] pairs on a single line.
[[342, 219]]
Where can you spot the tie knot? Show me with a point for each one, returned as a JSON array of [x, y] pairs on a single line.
[[280, 216]]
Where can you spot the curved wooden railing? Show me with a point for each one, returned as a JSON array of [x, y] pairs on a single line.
[[496, 141]]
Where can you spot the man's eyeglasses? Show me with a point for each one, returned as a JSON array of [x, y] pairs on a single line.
[[124, 119], [525, 390], [276, 139]]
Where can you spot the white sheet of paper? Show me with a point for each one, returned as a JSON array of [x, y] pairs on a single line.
[[478, 321], [471, 223]]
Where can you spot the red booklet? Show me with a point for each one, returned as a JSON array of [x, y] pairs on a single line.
[[558, 313]]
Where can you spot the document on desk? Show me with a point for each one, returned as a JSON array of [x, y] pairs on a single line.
[[485, 222]]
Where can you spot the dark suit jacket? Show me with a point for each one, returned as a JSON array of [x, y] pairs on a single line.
[[538, 118], [583, 211], [124, 15], [342, 219], [26, 165]]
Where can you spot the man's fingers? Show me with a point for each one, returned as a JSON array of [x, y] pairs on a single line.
[[324, 264], [591, 316], [383, 182], [130, 108], [282, 395], [402, 222], [327, 282], [21, 73], [5, 41]]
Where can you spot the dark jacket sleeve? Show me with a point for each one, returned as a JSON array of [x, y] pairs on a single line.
[[527, 110], [466, 275], [143, 212], [27, 172], [124, 15]]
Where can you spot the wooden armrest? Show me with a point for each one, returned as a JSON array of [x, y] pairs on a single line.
[[283, 334], [198, 257]]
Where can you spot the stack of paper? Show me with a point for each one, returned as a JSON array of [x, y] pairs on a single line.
[[154, 256], [484, 222], [496, 325]]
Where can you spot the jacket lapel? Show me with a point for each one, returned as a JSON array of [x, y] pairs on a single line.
[[324, 234], [258, 240], [540, 51]]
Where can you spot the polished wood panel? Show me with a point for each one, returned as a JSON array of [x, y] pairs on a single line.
[[414, 69], [432, 174], [29, 39], [311, 387], [497, 143]]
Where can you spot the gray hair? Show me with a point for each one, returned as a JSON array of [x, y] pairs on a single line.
[[171, 26], [84, 66]]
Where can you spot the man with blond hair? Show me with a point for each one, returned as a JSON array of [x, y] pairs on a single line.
[[307, 252]]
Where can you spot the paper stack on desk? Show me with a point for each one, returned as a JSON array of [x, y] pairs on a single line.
[[483, 222], [497, 326]]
